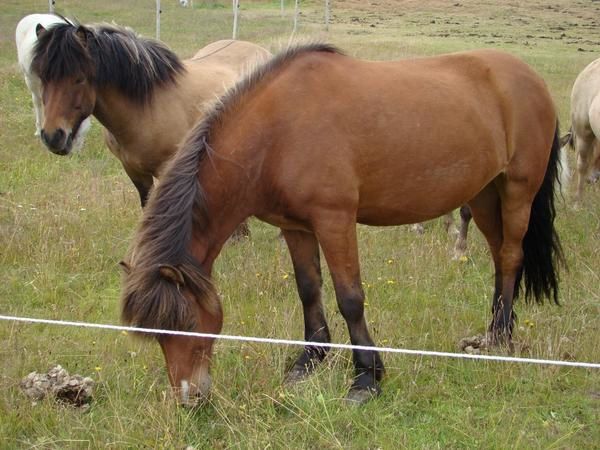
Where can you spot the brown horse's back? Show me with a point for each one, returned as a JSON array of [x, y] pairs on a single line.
[[407, 140]]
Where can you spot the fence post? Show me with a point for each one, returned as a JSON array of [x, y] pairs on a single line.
[[158, 11], [296, 11], [236, 9], [51, 5]]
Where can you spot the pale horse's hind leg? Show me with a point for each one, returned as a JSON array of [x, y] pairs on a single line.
[[587, 146], [419, 228], [304, 251], [460, 246], [584, 148]]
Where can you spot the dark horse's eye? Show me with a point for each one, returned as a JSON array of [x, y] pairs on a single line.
[[80, 80]]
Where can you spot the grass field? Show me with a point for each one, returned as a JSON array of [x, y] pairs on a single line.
[[65, 222]]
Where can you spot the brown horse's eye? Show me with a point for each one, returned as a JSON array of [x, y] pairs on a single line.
[[80, 81]]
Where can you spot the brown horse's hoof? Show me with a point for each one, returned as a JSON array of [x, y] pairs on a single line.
[[360, 396]]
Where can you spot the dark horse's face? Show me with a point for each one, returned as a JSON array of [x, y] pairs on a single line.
[[67, 103]]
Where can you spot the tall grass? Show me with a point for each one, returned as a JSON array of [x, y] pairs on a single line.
[[66, 222]]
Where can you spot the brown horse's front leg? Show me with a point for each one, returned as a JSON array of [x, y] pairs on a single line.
[[339, 244], [304, 250]]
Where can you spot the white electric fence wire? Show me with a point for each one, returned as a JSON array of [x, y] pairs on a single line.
[[302, 343]]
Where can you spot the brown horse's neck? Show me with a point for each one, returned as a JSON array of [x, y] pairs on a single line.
[[228, 192]]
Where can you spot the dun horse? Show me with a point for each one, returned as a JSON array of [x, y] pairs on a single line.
[[145, 96], [585, 123], [314, 142]]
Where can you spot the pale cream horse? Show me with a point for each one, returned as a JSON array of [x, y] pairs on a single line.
[[585, 123]]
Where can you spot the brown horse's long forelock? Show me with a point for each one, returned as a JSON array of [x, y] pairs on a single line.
[[175, 208], [111, 55]]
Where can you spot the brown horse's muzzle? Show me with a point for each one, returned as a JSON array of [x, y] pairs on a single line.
[[58, 142]]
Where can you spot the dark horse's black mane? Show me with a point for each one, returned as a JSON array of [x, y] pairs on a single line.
[[105, 55], [176, 207]]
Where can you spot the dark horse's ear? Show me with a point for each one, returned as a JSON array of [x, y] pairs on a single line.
[[171, 273], [39, 30], [126, 267]]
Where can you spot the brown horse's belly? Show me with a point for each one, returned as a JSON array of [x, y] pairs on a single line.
[[390, 216]]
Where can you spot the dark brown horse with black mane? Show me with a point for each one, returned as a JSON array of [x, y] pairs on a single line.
[[316, 141], [145, 96]]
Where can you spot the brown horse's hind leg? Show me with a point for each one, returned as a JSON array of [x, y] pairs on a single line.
[[337, 236], [486, 212], [515, 210], [304, 250]]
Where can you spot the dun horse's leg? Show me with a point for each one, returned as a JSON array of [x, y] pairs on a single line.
[[304, 250], [144, 191], [337, 236], [142, 182], [460, 246]]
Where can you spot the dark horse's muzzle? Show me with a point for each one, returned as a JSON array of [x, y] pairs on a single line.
[[58, 142]]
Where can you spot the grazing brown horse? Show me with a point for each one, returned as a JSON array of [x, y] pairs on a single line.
[[145, 96], [314, 142]]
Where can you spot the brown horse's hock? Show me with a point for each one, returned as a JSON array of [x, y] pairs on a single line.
[[316, 141]]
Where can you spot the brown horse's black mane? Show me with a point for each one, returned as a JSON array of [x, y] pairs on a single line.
[[175, 208], [105, 55]]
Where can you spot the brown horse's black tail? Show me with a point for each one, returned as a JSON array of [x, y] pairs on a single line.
[[542, 250]]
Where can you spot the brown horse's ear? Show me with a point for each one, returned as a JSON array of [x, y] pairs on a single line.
[[171, 273], [39, 30], [126, 267]]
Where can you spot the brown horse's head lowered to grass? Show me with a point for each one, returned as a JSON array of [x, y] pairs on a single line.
[[143, 94], [316, 141]]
